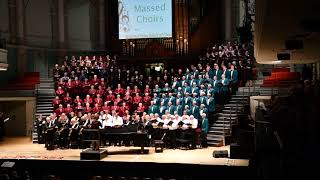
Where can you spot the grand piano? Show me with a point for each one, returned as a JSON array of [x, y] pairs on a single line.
[[124, 135]]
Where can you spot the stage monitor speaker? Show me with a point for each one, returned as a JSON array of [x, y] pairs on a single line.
[[89, 154], [283, 56], [220, 154], [294, 44]]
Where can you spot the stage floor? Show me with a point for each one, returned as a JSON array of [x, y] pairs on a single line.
[[23, 148]]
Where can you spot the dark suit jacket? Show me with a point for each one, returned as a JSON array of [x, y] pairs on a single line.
[[153, 109]]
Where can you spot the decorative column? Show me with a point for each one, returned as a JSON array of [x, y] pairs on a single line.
[[61, 28], [20, 37], [227, 21], [102, 30]]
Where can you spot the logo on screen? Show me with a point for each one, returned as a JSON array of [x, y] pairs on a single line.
[[123, 17]]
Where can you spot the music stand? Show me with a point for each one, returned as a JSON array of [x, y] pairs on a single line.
[[94, 152]]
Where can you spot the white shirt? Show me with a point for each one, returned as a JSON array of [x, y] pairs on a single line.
[[117, 121], [174, 125], [74, 125], [208, 101], [104, 124], [165, 125], [185, 126], [194, 123]]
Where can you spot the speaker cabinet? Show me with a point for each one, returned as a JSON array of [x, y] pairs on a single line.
[[220, 154]]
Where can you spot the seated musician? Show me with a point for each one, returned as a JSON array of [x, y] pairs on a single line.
[[54, 123], [126, 117], [84, 121], [117, 121], [74, 124], [63, 120], [95, 124], [108, 121], [102, 116]]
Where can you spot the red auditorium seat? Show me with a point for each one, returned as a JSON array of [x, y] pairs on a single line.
[[281, 77], [27, 82]]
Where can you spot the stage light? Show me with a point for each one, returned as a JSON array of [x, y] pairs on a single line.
[[276, 62]]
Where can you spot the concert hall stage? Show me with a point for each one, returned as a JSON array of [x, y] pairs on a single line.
[[22, 150]]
